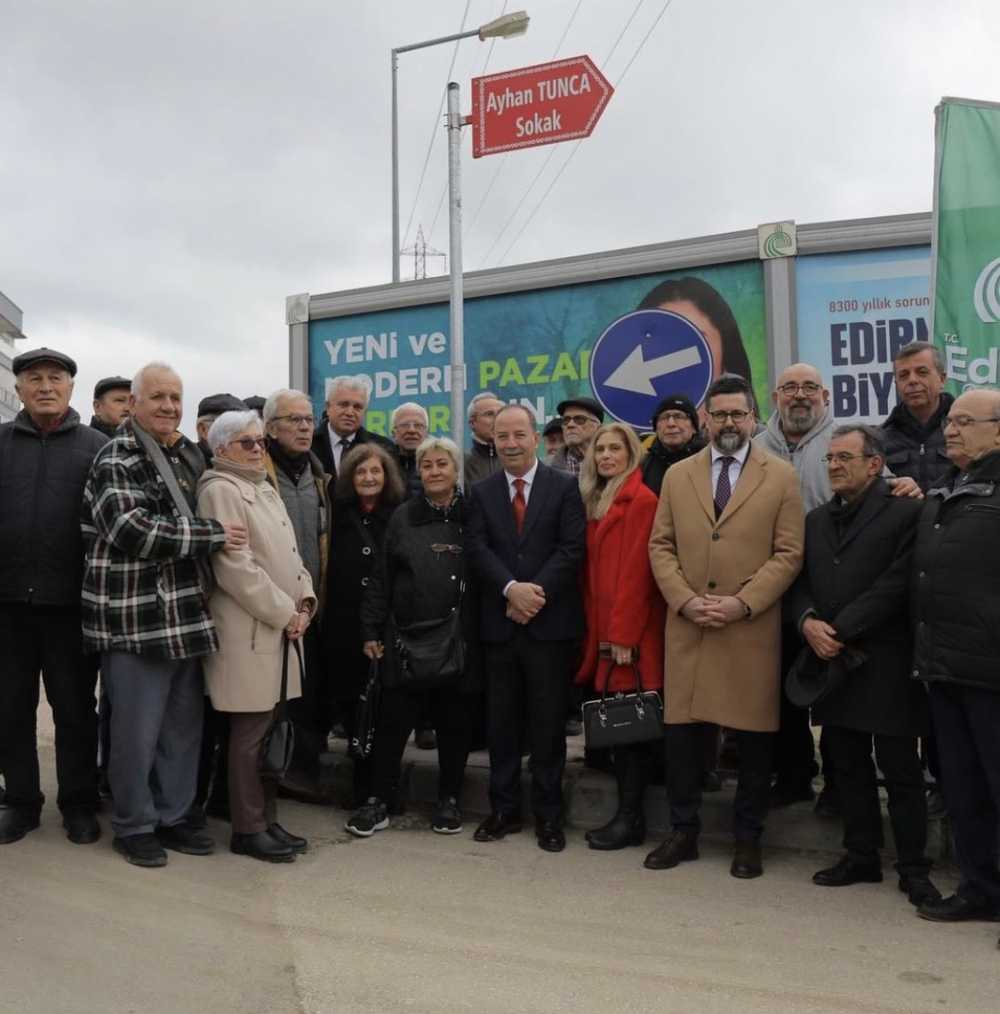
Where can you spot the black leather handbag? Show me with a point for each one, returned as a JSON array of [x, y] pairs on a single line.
[[363, 741], [623, 718], [279, 740], [430, 653]]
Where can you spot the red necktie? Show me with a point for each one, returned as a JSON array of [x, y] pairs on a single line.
[[519, 504]]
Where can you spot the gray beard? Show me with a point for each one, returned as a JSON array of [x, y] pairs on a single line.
[[730, 442], [799, 424]]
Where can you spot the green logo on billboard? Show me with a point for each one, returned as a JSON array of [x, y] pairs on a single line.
[[986, 294], [777, 243]]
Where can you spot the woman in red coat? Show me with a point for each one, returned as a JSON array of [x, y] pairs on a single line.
[[624, 609]]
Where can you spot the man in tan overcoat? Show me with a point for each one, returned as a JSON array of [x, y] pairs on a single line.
[[726, 544]]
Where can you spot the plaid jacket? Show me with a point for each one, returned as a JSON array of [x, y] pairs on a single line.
[[141, 588]]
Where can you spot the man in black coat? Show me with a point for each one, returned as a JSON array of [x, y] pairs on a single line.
[[341, 428], [677, 436], [110, 404], [527, 533], [957, 645], [851, 604], [45, 455]]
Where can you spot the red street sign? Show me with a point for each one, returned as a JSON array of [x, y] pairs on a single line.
[[542, 104]]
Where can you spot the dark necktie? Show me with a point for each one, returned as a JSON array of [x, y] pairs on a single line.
[[519, 504], [723, 491]]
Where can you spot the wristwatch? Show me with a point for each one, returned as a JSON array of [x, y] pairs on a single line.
[[747, 611]]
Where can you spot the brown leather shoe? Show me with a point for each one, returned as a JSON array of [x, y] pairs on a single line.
[[679, 847], [746, 861]]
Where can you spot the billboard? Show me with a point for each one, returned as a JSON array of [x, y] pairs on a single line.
[[535, 346], [854, 310]]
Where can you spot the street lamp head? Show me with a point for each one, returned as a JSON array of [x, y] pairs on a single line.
[[506, 27]]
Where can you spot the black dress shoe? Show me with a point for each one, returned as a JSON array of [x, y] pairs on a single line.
[[679, 847], [550, 836], [957, 909], [184, 838], [16, 822], [81, 827], [141, 850], [497, 826], [848, 871], [261, 846], [746, 861], [919, 889], [277, 832], [195, 817], [622, 830]]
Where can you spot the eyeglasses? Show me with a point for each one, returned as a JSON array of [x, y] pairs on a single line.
[[809, 387], [249, 443], [296, 420], [844, 458], [963, 421], [415, 424], [674, 417], [737, 415], [578, 420]]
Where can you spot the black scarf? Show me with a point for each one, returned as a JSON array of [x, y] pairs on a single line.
[[844, 511], [293, 465]]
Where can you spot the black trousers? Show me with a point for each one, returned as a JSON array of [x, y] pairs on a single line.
[[47, 639], [399, 714], [794, 750], [851, 755], [684, 748], [967, 726], [527, 678], [213, 760], [312, 712]]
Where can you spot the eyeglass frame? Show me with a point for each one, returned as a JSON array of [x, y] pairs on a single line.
[[252, 441], [295, 420], [791, 388], [844, 457], [967, 421], [738, 415]]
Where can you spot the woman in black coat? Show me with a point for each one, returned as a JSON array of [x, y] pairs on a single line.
[[368, 489], [422, 576]]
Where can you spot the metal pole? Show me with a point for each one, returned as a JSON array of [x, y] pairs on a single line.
[[395, 171], [457, 342]]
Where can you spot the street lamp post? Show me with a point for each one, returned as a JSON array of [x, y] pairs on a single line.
[[501, 28]]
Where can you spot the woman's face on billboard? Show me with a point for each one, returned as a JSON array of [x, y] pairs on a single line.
[[687, 309]]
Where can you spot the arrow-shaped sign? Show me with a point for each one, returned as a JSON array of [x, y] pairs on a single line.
[[636, 374]]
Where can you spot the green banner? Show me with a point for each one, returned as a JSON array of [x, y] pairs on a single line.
[[966, 239]]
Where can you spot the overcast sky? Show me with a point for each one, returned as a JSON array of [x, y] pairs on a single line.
[[169, 172]]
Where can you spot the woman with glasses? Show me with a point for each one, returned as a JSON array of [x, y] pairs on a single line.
[[422, 578], [263, 594], [624, 609]]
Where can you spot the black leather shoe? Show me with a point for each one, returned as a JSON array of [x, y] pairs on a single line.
[[622, 830], [497, 826], [195, 817], [81, 827], [746, 861], [184, 838], [550, 836], [679, 847], [16, 822], [277, 832], [848, 871], [919, 889], [957, 909], [141, 850], [261, 846]]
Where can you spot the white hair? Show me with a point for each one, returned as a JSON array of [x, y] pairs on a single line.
[[482, 396], [439, 444], [357, 383], [524, 407], [270, 409], [155, 367], [405, 407], [228, 426]]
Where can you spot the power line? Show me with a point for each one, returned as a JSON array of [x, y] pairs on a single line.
[[621, 34], [569, 25], [436, 127], [562, 168]]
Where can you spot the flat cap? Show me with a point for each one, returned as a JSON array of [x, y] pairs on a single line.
[[43, 355], [216, 404], [255, 403], [552, 426], [111, 384], [587, 404]]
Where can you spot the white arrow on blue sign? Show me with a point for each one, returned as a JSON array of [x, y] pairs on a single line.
[[645, 356]]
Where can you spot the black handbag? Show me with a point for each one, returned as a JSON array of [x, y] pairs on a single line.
[[430, 653], [623, 718], [279, 740], [366, 715]]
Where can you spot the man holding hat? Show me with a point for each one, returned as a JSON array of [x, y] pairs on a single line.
[[580, 419], [851, 604], [209, 409], [110, 404], [677, 437], [45, 455]]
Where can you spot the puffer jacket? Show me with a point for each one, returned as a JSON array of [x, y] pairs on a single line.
[[917, 450], [42, 476], [956, 609]]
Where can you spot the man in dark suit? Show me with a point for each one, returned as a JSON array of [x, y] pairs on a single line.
[[342, 426], [850, 603], [526, 541]]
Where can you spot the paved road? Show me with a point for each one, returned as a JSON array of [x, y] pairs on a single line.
[[412, 921]]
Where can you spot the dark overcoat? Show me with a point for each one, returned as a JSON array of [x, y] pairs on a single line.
[[858, 581]]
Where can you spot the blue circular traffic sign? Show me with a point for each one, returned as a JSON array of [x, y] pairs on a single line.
[[644, 356]]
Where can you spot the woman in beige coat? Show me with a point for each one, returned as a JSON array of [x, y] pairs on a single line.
[[261, 593]]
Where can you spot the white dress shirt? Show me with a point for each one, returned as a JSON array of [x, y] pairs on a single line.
[[529, 481], [336, 446], [735, 466]]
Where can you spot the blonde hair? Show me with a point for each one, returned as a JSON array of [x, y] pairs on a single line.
[[599, 493]]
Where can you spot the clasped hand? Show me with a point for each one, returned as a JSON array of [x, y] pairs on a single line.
[[297, 625], [714, 611], [524, 601]]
